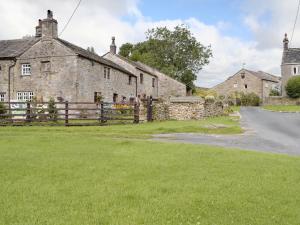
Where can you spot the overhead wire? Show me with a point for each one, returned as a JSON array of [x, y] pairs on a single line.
[[65, 27], [295, 23]]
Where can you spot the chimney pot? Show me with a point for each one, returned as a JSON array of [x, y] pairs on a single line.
[[113, 47]]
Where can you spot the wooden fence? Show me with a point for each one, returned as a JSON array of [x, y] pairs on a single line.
[[68, 113]]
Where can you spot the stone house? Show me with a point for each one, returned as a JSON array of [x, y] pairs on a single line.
[[247, 81], [46, 66], [290, 65], [151, 82]]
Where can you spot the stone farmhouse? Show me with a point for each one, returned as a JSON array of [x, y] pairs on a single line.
[[247, 81], [151, 82], [46, 66], [290, 65]]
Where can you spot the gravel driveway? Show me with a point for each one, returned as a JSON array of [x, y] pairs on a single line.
[[265, 131]]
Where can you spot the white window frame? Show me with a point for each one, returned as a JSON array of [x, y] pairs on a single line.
[[24, 96], [26, 69], [2, 97], [235, 85]]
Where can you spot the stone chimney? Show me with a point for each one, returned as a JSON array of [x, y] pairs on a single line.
[[113, 47], [285, 43], [49, 26], [38, 29]]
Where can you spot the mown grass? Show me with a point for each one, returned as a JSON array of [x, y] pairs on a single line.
[[105, 175], [283, 108], [229, 125]]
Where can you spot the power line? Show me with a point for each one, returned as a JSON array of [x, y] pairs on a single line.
[[295, 22], [65, 27]]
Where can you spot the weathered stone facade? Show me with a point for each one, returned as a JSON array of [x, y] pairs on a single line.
[[290, 65], [60, 70], [248, 81], [151, 82], [186, 108], [55, 68]]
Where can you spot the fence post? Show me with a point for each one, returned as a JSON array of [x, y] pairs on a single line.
[[136, 112], [28, 112], [66, 113], [102, 113], [149, 109]]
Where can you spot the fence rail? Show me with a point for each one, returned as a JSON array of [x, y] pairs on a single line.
[[68, 113]]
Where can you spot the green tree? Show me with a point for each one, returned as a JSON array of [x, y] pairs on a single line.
[[52, 110], [293, 87], [176, 53]]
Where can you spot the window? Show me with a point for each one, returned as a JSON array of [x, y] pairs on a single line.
[[2, 97], [24, 96], [243, 75], [153, 82], [46, 66], [141, 78], [246, 86], [106, 73], [0, 68], [130, 80], [26, 69], [266, 85], [235, 85], [295, 70]]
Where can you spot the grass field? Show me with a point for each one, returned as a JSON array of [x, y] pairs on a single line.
[[283, 108], [113, 175]]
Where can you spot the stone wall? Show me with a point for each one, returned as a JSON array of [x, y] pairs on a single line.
[[280, 101], [187, 108]]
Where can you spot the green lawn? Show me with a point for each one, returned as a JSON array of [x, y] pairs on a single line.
[[283, 108], [111, 175]]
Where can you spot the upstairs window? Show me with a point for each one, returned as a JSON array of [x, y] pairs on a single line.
[[106, 73], [141, 78], [295, 70], [243, 75], [25, 96], [153, 82], [2, 97], [26, 69], [235, 85]]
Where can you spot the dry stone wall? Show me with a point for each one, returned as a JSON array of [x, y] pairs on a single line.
[[281, 101], [186, 108]]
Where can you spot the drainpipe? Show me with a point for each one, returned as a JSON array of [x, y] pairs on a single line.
[[9, 77]]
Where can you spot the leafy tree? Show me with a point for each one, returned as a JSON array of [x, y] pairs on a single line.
[[175, 52], [3, 110], [293, 87]]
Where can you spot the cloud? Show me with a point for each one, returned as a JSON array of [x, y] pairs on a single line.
[[96, 21]]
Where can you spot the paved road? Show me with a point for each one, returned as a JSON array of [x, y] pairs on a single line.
[[265, 131]]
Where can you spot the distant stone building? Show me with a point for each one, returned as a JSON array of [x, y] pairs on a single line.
[[247, 81], [45, 66], [290, 65], [151, 82]]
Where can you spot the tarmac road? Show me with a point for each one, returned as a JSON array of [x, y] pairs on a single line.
[[265, 131]]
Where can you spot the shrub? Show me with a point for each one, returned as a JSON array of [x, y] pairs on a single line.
[[250, 99], [3, 110], [52, 110], [210, 99], [293, 87], [274, 92]]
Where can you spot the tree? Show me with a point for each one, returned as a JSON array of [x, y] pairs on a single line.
[[176, 53], [293, 87]]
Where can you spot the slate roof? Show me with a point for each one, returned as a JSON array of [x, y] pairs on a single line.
[[292, 55], [264, 76], [89, 55], [14, 48]]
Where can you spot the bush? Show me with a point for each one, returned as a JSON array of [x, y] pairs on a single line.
[[210, 99], [52, 110], [293, 87], [274, 92], [250, 99], [3, 111]]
